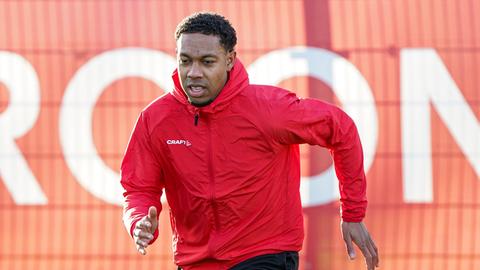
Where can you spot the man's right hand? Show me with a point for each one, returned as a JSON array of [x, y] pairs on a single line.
[[144, 230]]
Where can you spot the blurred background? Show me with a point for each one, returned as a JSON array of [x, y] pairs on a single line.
[[75, 74]]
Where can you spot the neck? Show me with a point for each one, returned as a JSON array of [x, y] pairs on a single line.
[[199, 105]]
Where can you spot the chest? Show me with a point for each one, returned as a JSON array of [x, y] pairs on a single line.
[[224, 148]]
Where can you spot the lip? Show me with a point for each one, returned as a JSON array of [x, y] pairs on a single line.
[[196, 90]]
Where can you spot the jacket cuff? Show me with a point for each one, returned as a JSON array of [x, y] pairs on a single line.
[[348, 219], [353, 214]]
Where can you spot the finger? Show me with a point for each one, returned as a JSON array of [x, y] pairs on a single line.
[[141, 242], [143, 235], [143, 224], [137, 231], [374, 252], [142, 232], [366, 253], [152, 213], [348, 243], [141, 250]]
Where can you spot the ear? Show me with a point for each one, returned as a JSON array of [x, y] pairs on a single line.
[[231, 56]]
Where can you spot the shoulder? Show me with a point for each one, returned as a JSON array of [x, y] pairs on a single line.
[[267, 94], [162, 105], [265, 104], [158, 110]]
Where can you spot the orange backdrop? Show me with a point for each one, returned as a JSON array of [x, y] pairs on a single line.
[[73, 229]]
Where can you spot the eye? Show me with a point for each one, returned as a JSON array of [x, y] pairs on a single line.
[[208, 62], [184, 61]]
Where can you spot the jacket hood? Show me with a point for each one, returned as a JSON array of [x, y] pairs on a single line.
[[237, 81]]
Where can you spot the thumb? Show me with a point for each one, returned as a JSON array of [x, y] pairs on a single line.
[[152, 213], [350, 250]]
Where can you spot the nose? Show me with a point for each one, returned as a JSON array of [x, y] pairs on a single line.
[[195, 71]]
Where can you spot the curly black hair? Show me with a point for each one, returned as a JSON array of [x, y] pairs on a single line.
[[208, 23]]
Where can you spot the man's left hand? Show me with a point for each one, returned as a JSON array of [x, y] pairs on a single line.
[[357, 233]]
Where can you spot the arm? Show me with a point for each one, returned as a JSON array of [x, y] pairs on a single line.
[[141, 180], [318, 123], [315, 122]]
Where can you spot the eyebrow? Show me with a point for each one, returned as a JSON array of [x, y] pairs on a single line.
[[203, 56]]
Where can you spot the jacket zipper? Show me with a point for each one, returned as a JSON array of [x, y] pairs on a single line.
[[196, 116], [212, 178]]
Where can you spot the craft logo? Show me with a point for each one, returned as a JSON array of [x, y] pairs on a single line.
[[184, 142]]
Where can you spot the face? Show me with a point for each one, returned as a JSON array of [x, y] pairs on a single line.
[[203, 66]]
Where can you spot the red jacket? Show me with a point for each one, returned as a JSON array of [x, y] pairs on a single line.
[[231, 170]]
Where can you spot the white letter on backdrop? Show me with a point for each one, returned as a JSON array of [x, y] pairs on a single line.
[[425, 79], [76, 134], [21, 80]]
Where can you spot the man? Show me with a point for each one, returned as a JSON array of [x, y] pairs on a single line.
[[226, 152]]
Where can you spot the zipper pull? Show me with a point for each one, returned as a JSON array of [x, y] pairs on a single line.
[[195, 118]]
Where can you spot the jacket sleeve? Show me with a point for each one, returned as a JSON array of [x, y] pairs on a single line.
[[140, 176], [318, 123]]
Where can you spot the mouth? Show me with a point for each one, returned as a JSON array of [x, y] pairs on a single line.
[[196, 90]]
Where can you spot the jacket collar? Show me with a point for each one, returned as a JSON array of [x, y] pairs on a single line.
[[237, 81]]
